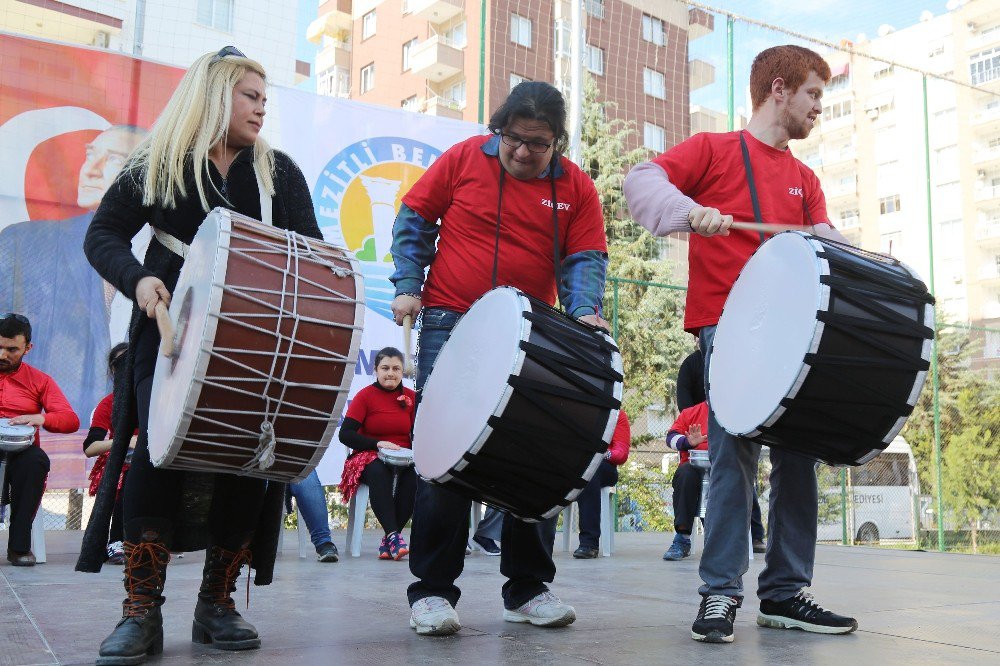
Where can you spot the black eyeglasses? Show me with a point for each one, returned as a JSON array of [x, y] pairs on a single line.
[[226, 51], [18, 317], [516, 142]]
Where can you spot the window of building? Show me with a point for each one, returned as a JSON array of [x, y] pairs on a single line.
[[654, 83], [935, 48], [839, 82], [985, 66], [455, 35], [407, 50], [883, 71], [563, 39], [652, 30], [456, 93], [516, 79], [595, 8], [334, 82], [837, 110], [410, 103], [520, 30], [216, 14], [888, 204], [367, 77], [654, 137], [368, 25], [849, 218], [595, 60]]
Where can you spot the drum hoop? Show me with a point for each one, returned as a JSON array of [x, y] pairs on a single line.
[[211, 325], [516, 366]]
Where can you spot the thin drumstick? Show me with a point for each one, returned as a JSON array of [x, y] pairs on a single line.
[[407, 333], [770, 228], [166, 329]]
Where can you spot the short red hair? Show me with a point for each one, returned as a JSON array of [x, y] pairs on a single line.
[[789, 62]]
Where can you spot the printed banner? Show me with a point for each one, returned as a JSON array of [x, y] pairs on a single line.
[[68, 118]]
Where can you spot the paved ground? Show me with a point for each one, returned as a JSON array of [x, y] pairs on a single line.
[[913, 608]]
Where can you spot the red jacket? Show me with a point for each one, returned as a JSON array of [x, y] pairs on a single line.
[[28, 390], [621, 439], [696, 414]]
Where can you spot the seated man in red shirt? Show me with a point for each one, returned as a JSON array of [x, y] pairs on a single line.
[[27, 397], [589, 500], [689, 431]]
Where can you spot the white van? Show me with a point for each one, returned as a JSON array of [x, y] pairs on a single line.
[[883, 493]]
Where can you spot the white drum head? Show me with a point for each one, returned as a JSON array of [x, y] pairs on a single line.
[[198, 295], [14, 438], [469, 382], [767, 327]]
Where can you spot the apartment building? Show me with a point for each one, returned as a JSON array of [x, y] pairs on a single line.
[[426, 55], [869, 152], [174, 33]]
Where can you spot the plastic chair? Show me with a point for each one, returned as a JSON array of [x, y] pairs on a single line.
[[356, 519], [607, 522]]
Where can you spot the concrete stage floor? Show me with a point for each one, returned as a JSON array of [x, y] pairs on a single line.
[[633, 608]]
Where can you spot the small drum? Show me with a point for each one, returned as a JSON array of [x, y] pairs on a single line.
[[699, 459], [520, 406], [14, 438], [267, 330], [396, 457], [821, 349]]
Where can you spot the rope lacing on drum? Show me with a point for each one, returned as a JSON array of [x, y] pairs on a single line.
[[264, 455]]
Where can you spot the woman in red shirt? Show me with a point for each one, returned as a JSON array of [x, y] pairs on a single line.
[[381, 417]]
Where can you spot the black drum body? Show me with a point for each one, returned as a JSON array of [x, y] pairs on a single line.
[[520, 406], [821, 348]]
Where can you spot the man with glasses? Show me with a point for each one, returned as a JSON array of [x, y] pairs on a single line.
[[502, 200], [27, 397]]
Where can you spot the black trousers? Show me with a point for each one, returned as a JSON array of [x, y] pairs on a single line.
[[153, 493], [26, 472], [589, 502], [687, 497], [391, 512]]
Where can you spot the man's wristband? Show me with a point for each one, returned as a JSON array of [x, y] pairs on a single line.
[[410, 294]]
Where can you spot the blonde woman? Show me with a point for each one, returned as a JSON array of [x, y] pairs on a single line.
[[204, 151]]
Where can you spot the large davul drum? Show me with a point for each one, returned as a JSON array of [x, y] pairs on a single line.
[[821, 348], [520, 406], [267, 329]]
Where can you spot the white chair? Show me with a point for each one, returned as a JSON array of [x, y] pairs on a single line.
[[356, 519], [37, 525], [607, 522]]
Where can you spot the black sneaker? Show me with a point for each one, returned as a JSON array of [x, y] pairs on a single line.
[[488, 546], [716, 615], [327, 552], [802, 612], [585, 553]]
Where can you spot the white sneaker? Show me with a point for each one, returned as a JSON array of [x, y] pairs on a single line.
[[543, 610], [434, 616]]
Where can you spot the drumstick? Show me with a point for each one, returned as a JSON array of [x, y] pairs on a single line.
[[166, 329], [770, 228], [407, 332]]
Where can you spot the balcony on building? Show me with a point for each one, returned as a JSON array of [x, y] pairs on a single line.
[[335, 54], [335, 24], [838, 159], [702, 73], [989, 193], [436, 60], [986, 156], [986, 118], [442, 107], [841, 190], [67, 21], [700, 23], [988, 232], [989, 272], [435, 11]]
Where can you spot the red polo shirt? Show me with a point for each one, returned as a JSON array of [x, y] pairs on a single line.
[[461, 189], [31, 391], [696, 414], [709, 169]]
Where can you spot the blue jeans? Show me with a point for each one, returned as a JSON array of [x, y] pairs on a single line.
[[311, 502], [792, 516], [440, 528]]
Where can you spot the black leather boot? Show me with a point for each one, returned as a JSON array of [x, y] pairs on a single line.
[[216, 620], [140, 631]]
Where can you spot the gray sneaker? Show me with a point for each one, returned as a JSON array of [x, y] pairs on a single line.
[[543, 610], [434, 616]]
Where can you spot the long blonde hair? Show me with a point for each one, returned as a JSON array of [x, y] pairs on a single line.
[[195, 120]]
